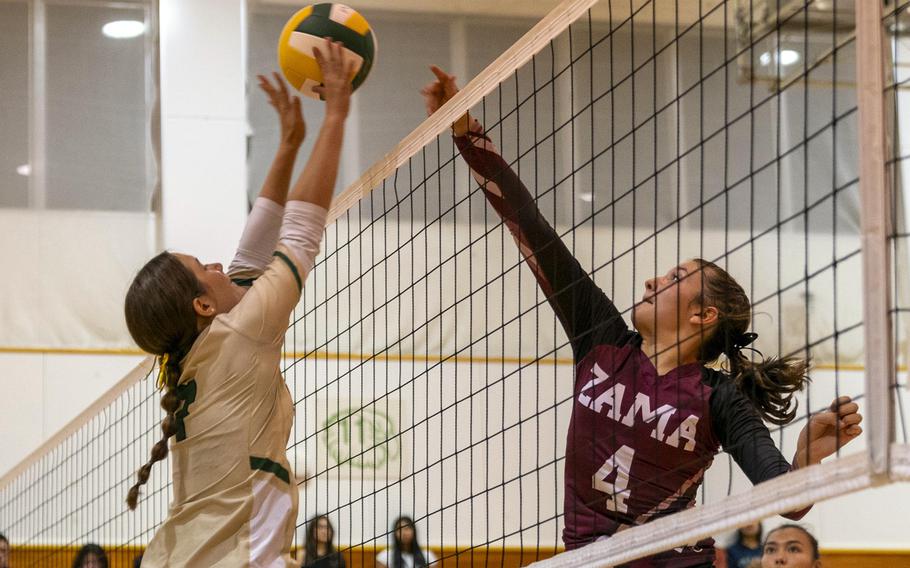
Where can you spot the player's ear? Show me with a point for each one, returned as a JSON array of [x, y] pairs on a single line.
[[704, 315], [204, 306]]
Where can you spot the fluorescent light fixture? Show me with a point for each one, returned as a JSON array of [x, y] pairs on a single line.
[[123, 29], [24, 170], [784, 56], [788, 56], [586, 196]]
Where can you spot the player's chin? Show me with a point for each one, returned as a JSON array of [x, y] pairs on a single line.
[[642, 313]]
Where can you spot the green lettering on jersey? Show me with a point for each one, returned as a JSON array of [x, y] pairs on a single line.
[[186, 394]]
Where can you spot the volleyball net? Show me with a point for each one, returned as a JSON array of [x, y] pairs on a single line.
[[429, 374]]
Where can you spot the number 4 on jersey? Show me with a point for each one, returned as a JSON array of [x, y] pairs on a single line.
[[616, 492]]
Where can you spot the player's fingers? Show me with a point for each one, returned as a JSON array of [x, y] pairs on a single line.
[[839, 401], [266, 86], [298, 110], [440, 74], [825, 418], [268, 94], [851, 419], [848, 434], [283, 88], [339, 51], [849, 408], [336, 51], [320, 57], [350, 68], [433, 88], [319, 90]]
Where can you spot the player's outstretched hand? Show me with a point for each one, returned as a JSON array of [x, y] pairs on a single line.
[[293, 127], [337, 73], [438, 93], [829, 430]]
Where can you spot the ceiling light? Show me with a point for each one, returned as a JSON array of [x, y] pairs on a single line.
[[123, 29], [587, 197], [784, 56], [788, 56], [24, 170]]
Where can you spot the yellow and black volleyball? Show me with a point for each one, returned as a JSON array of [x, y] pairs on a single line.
[[308, 28]]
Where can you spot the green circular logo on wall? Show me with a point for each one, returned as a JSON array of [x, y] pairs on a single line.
[[364, 437]]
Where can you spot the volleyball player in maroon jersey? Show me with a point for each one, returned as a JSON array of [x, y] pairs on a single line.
[[649, 414]]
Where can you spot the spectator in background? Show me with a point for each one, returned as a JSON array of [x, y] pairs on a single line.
[[319, 548], [406, 553], [747, 546], [91, 556], [791, 546], [4, 551]]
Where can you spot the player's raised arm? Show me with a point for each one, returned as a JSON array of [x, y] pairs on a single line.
[[317, 182], [586, 313], [260, 235], [263, 313], [293, 131]]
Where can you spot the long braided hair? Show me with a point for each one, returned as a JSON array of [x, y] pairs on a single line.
[[161, 319], [769, 383]]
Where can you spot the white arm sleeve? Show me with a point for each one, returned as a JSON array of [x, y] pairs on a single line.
[[259, 238], [263, 313], [301, 232]]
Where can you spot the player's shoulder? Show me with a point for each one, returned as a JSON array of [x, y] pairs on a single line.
[[726, 395]]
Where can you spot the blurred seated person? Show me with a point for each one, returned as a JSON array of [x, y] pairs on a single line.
[[319, 548], [90, 556], [746, 548]]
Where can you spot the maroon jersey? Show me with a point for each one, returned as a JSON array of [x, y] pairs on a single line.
[[638, 443]]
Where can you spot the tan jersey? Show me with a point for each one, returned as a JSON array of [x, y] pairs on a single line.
[[235, 497]]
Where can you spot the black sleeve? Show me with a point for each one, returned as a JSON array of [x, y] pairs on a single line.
[[744, 435], [585, 312]]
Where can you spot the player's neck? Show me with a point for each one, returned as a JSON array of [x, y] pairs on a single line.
[[750, 542], [669, 354]]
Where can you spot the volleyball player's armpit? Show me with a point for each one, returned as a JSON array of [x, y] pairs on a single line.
[[586, 313], [264, 312], [260, 236]]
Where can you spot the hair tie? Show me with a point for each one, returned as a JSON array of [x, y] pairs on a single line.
[[744, 339], [162, 371]]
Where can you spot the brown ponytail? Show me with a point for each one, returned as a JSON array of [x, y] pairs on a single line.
[[161, 319], [769, 383]]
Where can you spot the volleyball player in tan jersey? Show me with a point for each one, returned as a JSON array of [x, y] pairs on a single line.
[[229, 411]]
